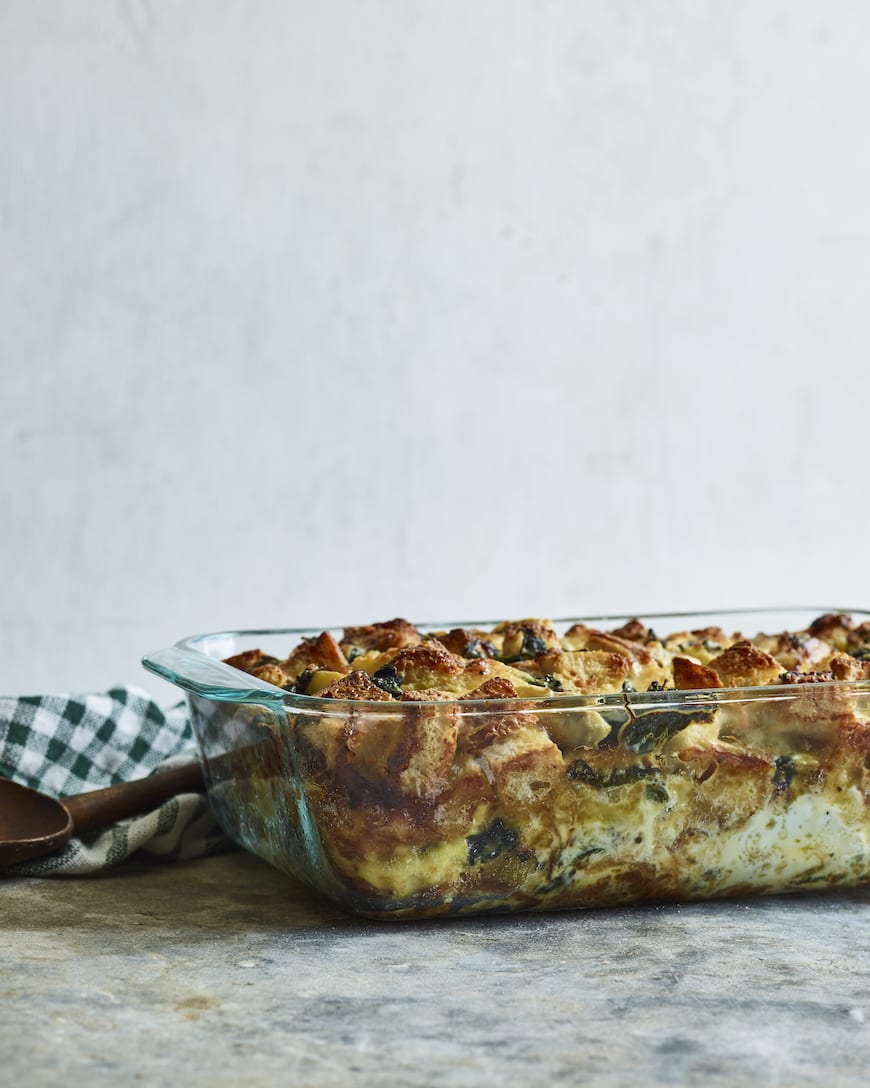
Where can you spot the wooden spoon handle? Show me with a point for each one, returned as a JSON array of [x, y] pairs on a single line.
[[102, 807]]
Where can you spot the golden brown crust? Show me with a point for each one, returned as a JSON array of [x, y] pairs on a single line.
[[425, 695], [833, 627], [795, 651], [357, 685], [272, 674], [633, 630], [846, 667], [427, 665], [586, 671], [641, 655], [526, 639], [529, 657], [250, 660], [477, 735], [744, 665], [689, 675], [380, 636], [470, 643], [581, 637], [499, 687], [322, 652]]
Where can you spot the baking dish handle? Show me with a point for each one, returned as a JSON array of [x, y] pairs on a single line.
[[200, 674]]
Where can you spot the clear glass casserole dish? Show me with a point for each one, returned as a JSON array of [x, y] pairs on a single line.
[[419, 809]]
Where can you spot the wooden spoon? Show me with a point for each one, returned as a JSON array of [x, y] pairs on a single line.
[[33, 824]]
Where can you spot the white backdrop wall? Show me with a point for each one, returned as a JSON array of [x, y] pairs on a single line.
[[322, 312]]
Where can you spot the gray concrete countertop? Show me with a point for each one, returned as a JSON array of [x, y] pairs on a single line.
[[223, 971]]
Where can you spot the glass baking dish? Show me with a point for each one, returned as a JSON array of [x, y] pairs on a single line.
[[412, 809]]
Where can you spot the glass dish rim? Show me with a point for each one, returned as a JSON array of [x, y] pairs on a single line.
[[226, 688]]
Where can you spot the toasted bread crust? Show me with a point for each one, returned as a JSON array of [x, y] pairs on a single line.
[[744, 665], [499, 687], [469, 643], [322, 652], [250, 660], [689, 675], [272, 674], [531, 659], [357, 685], [380, 636]]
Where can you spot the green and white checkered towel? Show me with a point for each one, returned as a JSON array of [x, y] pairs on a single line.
[[68, 744]]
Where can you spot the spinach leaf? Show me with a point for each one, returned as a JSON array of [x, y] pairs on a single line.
[[653, 727], [532, 646], [784, 771], [300, 684], [478, 647], [492, 841], [580, 771], [387, 679], [655, 791]]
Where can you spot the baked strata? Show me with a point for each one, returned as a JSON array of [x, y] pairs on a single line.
[[518, 767]]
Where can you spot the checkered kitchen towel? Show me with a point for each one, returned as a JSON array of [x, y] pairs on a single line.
[[68, 744]]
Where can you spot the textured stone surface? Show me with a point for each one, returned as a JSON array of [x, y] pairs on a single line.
[[225, 967]]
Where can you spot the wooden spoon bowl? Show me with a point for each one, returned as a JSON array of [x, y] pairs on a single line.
[[33, 824]]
